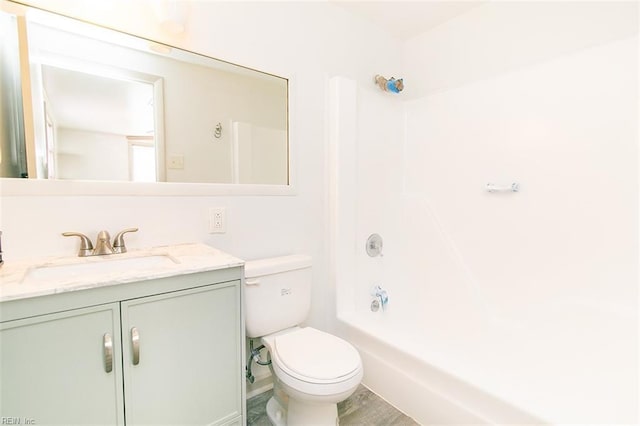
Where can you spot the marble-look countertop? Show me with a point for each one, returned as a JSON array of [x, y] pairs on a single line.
[[46, 276]]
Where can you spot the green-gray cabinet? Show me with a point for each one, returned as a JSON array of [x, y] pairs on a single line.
[[166, 351], [52, 368]]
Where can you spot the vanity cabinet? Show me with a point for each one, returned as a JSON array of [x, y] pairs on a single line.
[[187, 362], [168, 351], [52, 368]]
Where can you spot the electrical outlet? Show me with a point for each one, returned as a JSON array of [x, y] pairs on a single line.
[[217, 220]]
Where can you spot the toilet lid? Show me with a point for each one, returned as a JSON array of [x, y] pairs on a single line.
[[317, 355]]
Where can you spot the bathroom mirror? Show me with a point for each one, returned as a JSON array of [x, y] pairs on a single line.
[[85, 103]]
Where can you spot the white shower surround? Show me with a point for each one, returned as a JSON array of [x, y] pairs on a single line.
[[504, 308]]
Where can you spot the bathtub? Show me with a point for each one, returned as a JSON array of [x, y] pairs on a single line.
[[579, 366], [488, 322]]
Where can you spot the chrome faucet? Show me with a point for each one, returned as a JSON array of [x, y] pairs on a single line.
[[381, 297], [103, 243]]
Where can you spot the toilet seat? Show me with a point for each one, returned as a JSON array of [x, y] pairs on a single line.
[[316, 357], [313, 362]]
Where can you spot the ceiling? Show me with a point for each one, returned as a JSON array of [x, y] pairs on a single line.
[[406, 19]]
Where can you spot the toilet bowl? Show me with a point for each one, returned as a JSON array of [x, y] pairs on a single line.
[[316, 370], [313, 370]]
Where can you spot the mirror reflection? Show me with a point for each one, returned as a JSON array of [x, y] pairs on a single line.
[[103, 105], [90, 119]]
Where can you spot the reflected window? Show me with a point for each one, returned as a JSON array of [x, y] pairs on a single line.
[[142, 160]]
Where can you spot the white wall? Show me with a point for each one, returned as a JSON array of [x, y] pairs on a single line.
[[91, 155], [500, 36], [304, 41]]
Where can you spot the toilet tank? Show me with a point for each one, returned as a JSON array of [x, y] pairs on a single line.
[[277, 293]]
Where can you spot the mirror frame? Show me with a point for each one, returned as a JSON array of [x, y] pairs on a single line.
[[41, 187]]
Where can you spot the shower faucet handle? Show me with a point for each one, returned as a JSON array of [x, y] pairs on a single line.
[[374, 245]]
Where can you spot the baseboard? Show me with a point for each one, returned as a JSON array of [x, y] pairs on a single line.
[[259, 386]]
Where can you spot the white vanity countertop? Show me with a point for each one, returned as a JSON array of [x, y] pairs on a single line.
[[46, 276]]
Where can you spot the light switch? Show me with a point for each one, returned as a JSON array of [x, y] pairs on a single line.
[[176, 162]]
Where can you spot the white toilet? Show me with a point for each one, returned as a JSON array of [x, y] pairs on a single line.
[[313, 370]]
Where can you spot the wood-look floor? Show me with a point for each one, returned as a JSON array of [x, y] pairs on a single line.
[[363, 408]]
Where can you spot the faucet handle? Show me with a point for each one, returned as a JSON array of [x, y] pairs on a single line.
[[374, 245], [118, 240], [86, 248]]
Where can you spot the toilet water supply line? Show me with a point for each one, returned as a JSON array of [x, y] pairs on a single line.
[[255, 354]]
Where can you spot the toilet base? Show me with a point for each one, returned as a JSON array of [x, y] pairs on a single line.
[[277, 413], [300, 413], [311, 413]]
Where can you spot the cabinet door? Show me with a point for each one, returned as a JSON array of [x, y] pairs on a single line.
[[185, 367], [54, 368]]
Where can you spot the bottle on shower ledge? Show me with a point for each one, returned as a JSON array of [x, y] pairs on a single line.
[[1, 261], [392, 84]]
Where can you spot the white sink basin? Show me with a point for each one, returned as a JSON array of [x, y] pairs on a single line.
[[96, 266], [52, 275]]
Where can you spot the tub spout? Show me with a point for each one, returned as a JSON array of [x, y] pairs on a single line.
[[380, 294]]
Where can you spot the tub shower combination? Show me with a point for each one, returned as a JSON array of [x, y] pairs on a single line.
[[455, 356]]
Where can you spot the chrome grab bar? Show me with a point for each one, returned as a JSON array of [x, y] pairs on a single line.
[[491, 187]]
